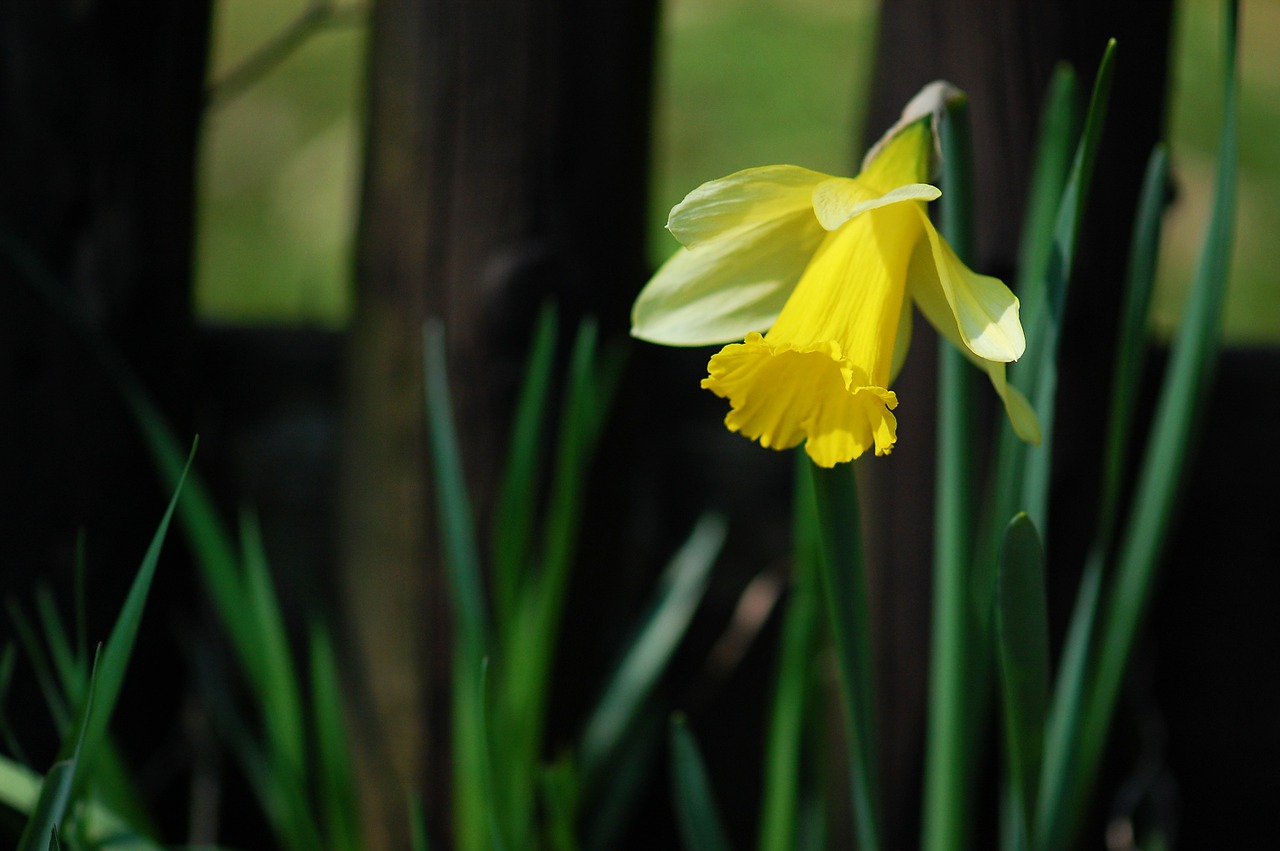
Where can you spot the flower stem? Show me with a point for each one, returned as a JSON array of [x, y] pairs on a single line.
[[952, 687], [845, 589]]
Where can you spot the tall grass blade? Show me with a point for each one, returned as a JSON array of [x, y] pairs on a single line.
[[276, 686], [1179, 411], [1063, 732], [113, 661], [473, 792], [1041, 364], [559, 785], [335, 774], [801, 628], [1022, 647], [681, 589], [453, 504], [516, 511], [56, 791], [1059, 128], [697, 816], [608, 808], [1132, 339], [528, 654], [67, 667], [45, 674]]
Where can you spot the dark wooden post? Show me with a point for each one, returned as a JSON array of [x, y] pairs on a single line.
[[506, 164]]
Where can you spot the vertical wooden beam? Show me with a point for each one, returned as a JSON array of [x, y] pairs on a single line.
[[508, 144]]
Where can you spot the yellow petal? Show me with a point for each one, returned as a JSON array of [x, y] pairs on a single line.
[[1021, 415], [839, 199], [923, 287], [721, 290], [902, 341], [983, 310], [853, 289], [745, 199], [820, 376], [905, 158], [782, 395]]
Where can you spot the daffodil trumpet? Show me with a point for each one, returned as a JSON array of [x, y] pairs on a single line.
[[817, 276]]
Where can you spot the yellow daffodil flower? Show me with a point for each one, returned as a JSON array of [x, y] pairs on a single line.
[[817, 276]]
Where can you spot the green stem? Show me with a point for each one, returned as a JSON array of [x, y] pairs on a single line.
[[951, 714], [844, 586]]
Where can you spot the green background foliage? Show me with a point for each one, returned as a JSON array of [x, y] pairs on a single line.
[[739, 84]]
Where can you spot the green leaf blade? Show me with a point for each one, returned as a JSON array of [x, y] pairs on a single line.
[[1022, 647], [698, 817]]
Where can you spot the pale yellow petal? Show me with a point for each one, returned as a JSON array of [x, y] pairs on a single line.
[[985, 312], [839, 199], [744, 199], [923, 288], [721, 290], [1021, 415]]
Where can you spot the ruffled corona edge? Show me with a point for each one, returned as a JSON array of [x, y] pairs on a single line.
[[783, 394]]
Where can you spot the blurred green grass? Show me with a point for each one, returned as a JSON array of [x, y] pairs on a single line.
[[1253, 299], [740, 83], [279, 174]]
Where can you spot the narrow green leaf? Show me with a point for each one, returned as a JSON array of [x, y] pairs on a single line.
[[780, 809], [680, 590], [699, 820], [1063, 732], [1131, 343], [1085, 705], [204, 530], [65, 664], [45, 674], [1022, 647], [528, 655], [1059, 128], [608, 808], [480, 814], [56, 790], [453, 505], [1040, 365], [49, 809], [1060, 767], [518, 502], [844, 587], [113, 661], [590, 390], [417, 825], [276, 681], [496, 819], [1179, 411], [336, 778], [559, 784]]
